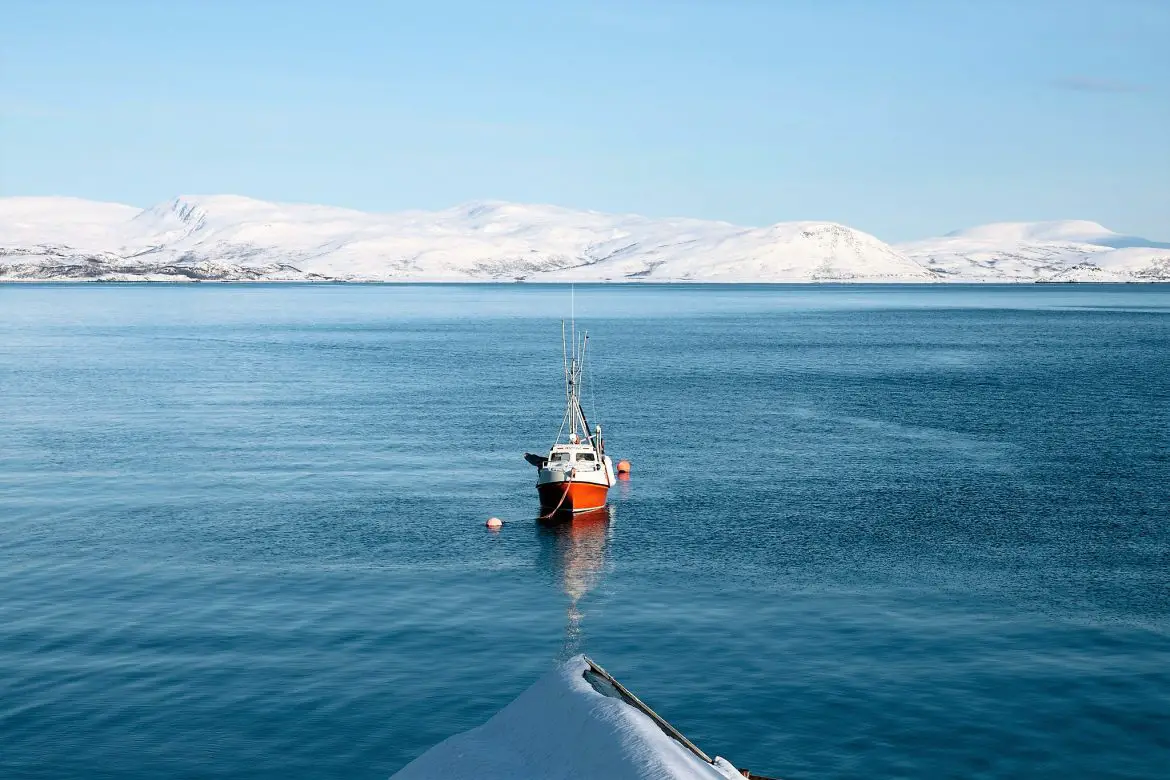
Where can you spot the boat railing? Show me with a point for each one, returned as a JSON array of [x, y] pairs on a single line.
[[629, 698]]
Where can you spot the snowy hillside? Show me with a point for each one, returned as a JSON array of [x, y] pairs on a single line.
[[1071, 250], [226, 237]]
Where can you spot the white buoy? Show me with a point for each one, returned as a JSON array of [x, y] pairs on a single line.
[[494, 523]]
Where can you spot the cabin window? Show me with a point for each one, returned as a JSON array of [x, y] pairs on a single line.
[[559, 457], [587, 456]]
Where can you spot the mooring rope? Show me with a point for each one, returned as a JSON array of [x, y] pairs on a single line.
[[560, 503]]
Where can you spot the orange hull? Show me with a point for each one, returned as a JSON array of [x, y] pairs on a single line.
[[581, 496]]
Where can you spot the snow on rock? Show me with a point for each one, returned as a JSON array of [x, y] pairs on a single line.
[[563, 729]]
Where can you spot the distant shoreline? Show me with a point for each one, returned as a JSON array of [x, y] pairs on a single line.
[[567, 283]]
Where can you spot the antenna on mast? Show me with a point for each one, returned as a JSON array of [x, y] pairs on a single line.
[[565, 355]]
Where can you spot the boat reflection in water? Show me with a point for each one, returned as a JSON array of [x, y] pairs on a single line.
[[576, 549]]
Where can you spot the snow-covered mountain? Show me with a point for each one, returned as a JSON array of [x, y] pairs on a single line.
[[225, 237], [228, 237], [1068, 250]]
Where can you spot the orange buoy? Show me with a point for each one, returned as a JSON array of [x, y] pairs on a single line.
[[623, 467], [494, 523]]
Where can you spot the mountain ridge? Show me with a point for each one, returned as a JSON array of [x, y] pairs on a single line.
[[232, 237]]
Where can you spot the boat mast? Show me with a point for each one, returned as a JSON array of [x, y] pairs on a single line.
[[565, 355], [574, 359], [572, 386], [580, 409], [574, 403]]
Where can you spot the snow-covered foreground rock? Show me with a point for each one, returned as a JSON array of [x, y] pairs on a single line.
[[227, 238], [561, 728]]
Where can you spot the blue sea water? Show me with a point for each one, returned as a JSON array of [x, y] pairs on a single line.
[[914, 532]]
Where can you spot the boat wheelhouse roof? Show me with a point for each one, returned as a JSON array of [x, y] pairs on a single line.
[[583, 446]]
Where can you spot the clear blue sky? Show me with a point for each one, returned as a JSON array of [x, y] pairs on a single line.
[[904, 119]]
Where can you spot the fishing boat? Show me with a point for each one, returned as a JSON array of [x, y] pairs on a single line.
[[576, 475]]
